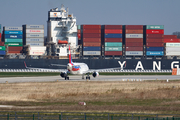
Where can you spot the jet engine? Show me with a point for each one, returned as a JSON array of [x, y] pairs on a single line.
[[63, 74], [95, 74]]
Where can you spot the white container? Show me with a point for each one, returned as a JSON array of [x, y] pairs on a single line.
[[36, 52], [35, 31], [13, 28], [172, 44], [91, 52], [34, 26], [172, 49], [172, 53], [34, 39], [35, 44], [34, 35], [134, 53], [37, 48], [134, 35]]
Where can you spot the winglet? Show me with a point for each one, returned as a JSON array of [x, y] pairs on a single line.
[[25, 64]]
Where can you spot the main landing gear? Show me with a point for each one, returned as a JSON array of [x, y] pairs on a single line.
[[66, 77], [88, 77]]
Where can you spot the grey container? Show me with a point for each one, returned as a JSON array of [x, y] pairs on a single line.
[[35, 44], [33, 35], [34, 39], [92, 53], [34, 26], [13, 28], [134, 53]]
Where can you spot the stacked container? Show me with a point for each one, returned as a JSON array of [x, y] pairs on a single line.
[[34, 37], [154, 40], [13, 39], [134, 40], [2, 47], [79, 34], [172, 45], [112, 40], [91, 37]]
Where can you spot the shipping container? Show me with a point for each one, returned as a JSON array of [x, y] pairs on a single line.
[[36, 52], [113, 40], [92, 35], [90, 26], [35, 31], [172, 49], [91, 31], [0, 35], [134, 40], [115, 44], [14, 44], [154, 26], [134, 31], [112, 53], [134, 48], [154, 53], [34, 39], [34, 26], [172, 40], [134, 35], [37, 48], [79, 36], [13, 36], [156, 36], [79, 32], [29, 42], [13, 28], [113, 35], [15, 48], [113, 48], [14, 52], [91, 39], [172, 44], [14, 40], [33, 35], [113, 31], [2, 52], [154, 40], [93, 44], [135, 44], [134, 27], [1, 43], [35, 44], [134, 53], [112, 26], [78, 27], [157, 44], [87, 53], [170, 36], [91, 48], [14, 32], [172, 53], [155, 49], [2, 48], [154, 31]]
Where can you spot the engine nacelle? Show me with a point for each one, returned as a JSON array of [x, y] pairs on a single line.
[[63, 74], [95, 74]]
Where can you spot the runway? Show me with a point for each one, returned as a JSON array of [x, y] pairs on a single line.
[[79, 78]]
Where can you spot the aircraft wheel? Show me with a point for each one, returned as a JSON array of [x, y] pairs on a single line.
[[67, 78]]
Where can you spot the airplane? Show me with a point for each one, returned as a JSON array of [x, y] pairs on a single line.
[[77, 69]]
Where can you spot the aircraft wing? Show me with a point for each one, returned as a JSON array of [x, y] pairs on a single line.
[[59, 65]]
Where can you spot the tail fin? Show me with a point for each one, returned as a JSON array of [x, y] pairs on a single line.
[[25, 64], [70, 58]]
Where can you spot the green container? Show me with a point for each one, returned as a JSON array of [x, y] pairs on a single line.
[[78, 27], [113, 44], [14, 44], [113, 48], [13, 40], [2, 48], [154, 26]]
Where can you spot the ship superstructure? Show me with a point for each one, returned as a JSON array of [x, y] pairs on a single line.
[[62, 31]]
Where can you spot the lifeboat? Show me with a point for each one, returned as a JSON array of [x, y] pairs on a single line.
[[62, 42]]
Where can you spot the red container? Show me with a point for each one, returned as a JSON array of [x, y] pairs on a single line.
[[15, 52], [91, 31], [134, 27], [15, 48], [134, 48], [113, 31], [1, 43], [154, 31], [134, 44], [95, 35], [79, 36], [170, 36], [154, 40], [172, 40], [154, 36], [112, 53], [91, 26], [113, 39], [79, 31], [112, 26], [0, 35], [134, 40], [157, 44], [134, 31], [91, 39], [92, 44]]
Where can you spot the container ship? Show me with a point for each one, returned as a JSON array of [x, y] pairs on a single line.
[[131, 47]]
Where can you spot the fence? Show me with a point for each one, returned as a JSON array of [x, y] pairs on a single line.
[[84, 116]]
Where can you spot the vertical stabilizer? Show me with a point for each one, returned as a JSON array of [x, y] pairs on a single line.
[[70, 58]]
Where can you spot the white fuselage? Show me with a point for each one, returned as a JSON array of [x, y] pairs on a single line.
[[77, 68]]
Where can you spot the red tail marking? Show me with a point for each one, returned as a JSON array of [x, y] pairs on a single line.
[[25, 64]]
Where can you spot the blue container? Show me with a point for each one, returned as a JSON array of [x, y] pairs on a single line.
[[91, 48], [2, 52], [154, 53], [14, 32], [155, 49], [13, 36], [113, 35]]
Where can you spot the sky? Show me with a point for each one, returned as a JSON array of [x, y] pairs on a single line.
[[112, 12]]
